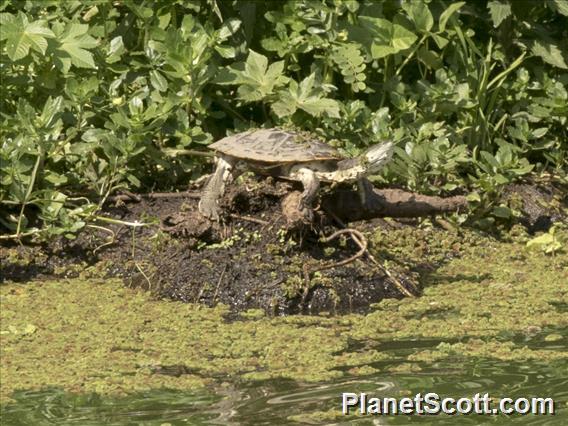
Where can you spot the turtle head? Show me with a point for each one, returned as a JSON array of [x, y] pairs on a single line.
[[377, 156]]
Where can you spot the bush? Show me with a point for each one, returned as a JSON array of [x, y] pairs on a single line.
[[106, 95]]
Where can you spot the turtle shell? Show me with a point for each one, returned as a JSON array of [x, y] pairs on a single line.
[[276, 146]]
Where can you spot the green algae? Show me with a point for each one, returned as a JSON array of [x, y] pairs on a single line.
[[493, 287], [492, 348], [98, 336], [318, 417]]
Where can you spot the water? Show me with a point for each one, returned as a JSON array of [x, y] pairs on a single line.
[[281, 402]]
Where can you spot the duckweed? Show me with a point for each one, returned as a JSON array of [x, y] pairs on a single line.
[[96, 335]]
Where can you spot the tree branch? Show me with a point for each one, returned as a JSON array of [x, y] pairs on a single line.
[[347, 205]]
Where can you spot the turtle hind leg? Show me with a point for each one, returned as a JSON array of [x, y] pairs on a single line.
[[215, 187]]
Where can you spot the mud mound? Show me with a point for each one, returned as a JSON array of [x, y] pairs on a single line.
[[264, 269], [253, 259], [540, 204]]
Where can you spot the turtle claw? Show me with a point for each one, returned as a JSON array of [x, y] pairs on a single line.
[[307, 211]]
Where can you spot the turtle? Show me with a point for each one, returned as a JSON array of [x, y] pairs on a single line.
[[290, 155]]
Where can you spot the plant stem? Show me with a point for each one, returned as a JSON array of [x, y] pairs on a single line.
[[409, 57], [29, 191]]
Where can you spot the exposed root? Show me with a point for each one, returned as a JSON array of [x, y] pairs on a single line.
[[363, 244]]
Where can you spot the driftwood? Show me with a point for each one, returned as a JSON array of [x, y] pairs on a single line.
[[345, 205]]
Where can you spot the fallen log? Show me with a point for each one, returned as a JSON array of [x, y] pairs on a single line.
[[348, 206], [345, 205]]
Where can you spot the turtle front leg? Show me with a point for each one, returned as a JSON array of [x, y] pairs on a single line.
[[311, 185], [215, 187]]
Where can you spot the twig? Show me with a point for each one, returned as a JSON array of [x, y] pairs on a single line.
[[153, 196], [198, 183], [250, 219], [201, 290], [396, 281], [107, 230], [144, 275], [132, 195], [219, 283], [20, 235], [134, 224], [172, 152]]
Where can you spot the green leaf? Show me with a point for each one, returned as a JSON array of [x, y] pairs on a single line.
[[545, 242], [549, 53], [516, 133], [232, 75], [29, 329], [319, 106], [351, 63], [499, 11], [73, 44], [502, 212], [500, 179], [136, 105], [53, 203], [274, 44], [227, 52], [490, 160], [430, 58], [420, 14], [228, 29], [380, 51], [473, 197], [286, 105], [21, 35], [561, 6], [51, 109], [440, 41], [447, 14], [256, 66], [304, 96], [257, 80], [539, 133], [158, 81], [55, 178], [386, 38], [116, 50]]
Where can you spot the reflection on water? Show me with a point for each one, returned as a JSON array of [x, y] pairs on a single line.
[[274, 402], [53, 406]]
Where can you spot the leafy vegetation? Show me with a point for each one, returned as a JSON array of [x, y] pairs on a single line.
[[106, 95]]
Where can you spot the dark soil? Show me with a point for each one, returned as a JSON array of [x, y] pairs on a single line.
[[251, 260], [541, 205]]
